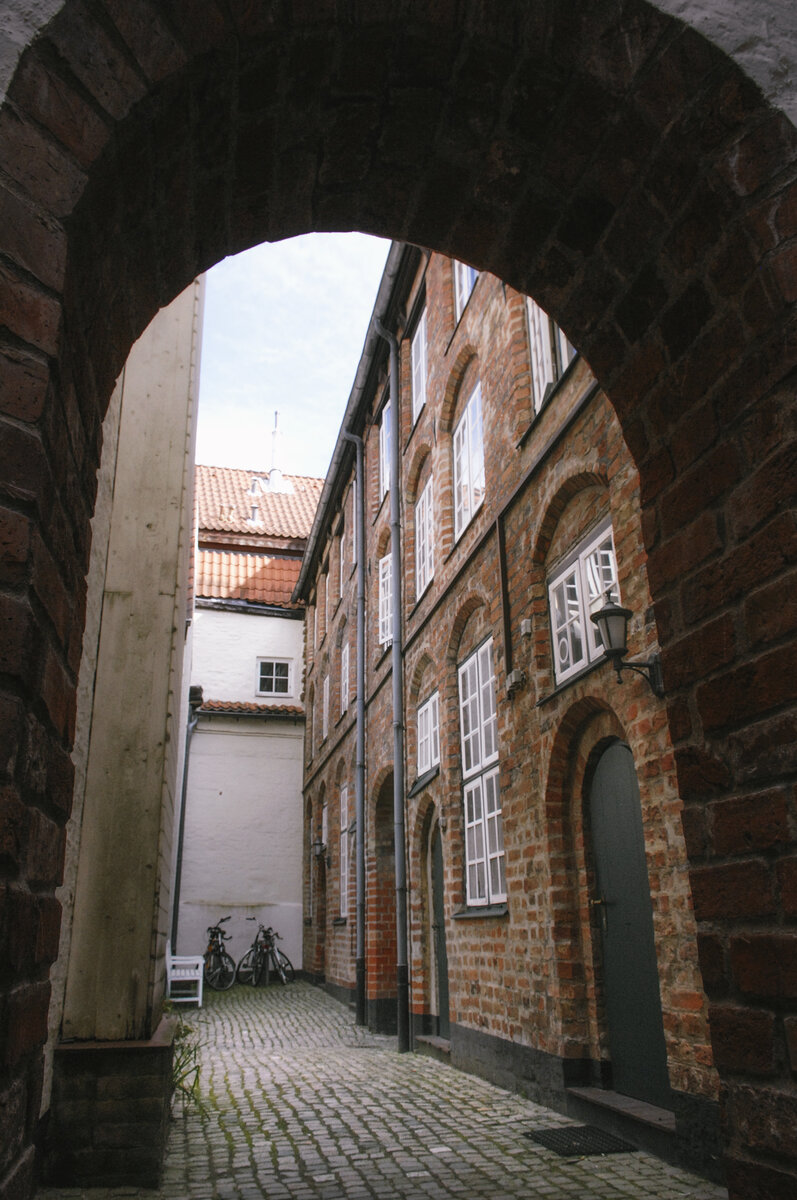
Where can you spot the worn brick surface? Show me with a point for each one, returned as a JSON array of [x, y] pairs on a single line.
[[534, 979]]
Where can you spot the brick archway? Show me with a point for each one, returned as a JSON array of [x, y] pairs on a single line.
[[603, 157]]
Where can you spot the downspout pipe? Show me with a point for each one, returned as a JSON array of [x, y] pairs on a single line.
[[402, 966], [359, 769], [194, 705]]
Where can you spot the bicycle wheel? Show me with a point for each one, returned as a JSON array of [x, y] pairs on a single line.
[[284, 967], [258, 966], [245, 971], [220, 971]]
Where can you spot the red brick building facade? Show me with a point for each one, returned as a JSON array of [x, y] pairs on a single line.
[[632, 166], [516, 488]]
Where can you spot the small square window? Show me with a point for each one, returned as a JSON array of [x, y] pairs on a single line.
[[273, 677]]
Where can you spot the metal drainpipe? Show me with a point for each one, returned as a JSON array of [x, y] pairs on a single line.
[[194, 705], [402, 967], [359, 772]]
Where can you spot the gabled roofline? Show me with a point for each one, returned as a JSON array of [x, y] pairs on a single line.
[[402, 261]]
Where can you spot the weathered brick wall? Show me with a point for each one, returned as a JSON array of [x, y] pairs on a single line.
[[604, 158], [533, 978]]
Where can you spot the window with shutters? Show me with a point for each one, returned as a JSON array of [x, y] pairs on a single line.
[[344, 850], [418, 356], [551, 352], [428, 734], [485, 871], [468, 462], [325, 709], [385, 600], [576, 590], [385, 440], [464, 282], [344, 677], [424, 539]]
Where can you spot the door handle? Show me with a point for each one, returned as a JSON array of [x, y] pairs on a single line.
[[601, 904]]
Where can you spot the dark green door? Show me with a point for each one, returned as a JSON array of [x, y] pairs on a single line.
[[631, 978], [439, 932]]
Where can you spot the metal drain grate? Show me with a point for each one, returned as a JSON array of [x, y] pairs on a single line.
[[571, 1140]]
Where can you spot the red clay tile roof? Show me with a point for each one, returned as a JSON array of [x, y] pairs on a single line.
[[236, 575], [241, 706], [225, 503]]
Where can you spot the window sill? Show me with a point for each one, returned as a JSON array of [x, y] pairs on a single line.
[[474, 912], [337, 921], [423, 780], [571, 679], [459, 537], [553, 390], [383, 654]]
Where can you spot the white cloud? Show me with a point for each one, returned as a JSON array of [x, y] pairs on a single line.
[[284, 329]]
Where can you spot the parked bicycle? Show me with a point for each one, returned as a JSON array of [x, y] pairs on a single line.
[[262, 954], [219, 969]]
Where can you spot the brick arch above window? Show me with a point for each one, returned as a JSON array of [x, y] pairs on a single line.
[[423, 673], [470, 625], [462, 378], [418, 472], [554, 506]]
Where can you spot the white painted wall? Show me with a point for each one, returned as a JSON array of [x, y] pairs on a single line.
[[242, 852], [227, 646]]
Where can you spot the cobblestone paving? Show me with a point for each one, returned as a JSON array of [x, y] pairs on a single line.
[[303, 1105]]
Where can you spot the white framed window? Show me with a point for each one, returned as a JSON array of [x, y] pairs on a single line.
[[429, 734], [274, 677], [575, 591], [326, 602], [551, 352], [418, 357], [386, 600], [485, 872], [464, 282], [424, 539], [341, 561], [468, 462], [344, 677], [385, 440], [325, 708], [484, 841], [344, 850]]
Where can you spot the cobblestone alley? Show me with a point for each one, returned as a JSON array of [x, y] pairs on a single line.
[[299, 1103]]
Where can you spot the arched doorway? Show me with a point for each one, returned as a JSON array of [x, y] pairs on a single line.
[[604, 158], [380, 903], [438, 939], [625, 919]]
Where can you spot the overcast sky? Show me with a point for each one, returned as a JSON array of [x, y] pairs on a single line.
[[284, 328]]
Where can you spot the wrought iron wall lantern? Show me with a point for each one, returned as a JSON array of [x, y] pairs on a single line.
[[612, 623], [318, 848]]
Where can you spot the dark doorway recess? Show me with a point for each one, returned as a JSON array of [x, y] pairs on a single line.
[[439, 931], [631, 980]]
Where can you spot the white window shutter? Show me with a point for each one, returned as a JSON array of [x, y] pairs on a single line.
[[418, 356], [542, 367], [385, 600]]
